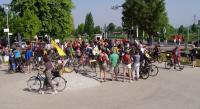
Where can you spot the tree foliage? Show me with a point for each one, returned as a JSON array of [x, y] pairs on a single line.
[[181, 30], [111, 27], [2, 16], [51, 17], [97, 30], [89, 25], [194, 28], [80, 29], [148, 15]]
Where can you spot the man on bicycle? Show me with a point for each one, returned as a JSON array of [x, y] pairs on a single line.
[[176, 55]]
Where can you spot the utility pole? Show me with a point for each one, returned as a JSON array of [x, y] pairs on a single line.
[[6, 7]]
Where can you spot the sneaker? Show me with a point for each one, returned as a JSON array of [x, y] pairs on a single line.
[[54, 93], [41, 92]]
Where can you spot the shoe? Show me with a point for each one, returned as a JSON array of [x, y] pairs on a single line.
[[54, 93], [41, 92]]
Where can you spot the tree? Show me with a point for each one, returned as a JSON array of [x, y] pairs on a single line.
[[111, 27], [148, 15], [89, 25], [194, 28], [119, 29], [2, 23], [170, 30], [181, 30], [97, 30], [53, 16], [80, 29]]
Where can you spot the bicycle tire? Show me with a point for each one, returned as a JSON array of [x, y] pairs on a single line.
[[59, 83], [144, 74], [34, 84], [168, 65], [160, 59], [153, 70], [179, 67]]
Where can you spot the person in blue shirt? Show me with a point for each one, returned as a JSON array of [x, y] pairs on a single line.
[[28, 56], [17, 56]]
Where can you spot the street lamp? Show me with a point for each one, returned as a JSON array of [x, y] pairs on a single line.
[[115, 7], [7, 8]]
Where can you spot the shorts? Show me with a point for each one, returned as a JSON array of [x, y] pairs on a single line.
[[103, 67], [127, 66], [114, 69], [28, 62]]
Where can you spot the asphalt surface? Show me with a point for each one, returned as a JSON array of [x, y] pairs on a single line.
[[170, 89]]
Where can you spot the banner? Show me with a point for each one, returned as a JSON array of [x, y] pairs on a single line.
[[60, 51]]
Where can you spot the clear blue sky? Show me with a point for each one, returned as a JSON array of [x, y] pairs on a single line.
[[179, 11]]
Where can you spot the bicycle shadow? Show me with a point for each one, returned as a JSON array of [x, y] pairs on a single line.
[[30, 91]]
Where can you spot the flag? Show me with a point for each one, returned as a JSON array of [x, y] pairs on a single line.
[[60, 51]]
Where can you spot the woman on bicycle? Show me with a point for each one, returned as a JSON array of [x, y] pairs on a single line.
[[48, 75]]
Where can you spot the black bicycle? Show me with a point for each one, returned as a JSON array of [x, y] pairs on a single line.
[[148, 70], [35, 83]]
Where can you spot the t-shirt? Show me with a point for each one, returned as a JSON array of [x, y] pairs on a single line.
[[193, 52], [136, 59], [126, 59], [17, 54], [28, 55], [114, 58]]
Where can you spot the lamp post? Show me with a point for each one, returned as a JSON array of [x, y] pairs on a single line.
[[6, 7]]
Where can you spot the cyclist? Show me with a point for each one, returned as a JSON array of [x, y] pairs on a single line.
[[156, 52], [48, 75], [176, 55]]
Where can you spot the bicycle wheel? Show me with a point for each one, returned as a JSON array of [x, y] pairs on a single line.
[[168, 65], [153, 70], [160, 59], [34, 83], [59, 83], [90, 70], [179, 67], [144, 73]]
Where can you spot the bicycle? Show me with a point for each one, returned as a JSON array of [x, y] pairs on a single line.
[[169, 63], [157, 58], [35, 83], [90, 70]]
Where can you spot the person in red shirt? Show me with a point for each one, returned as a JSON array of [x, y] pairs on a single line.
[[176, 53], [103, 62], [126, 60]]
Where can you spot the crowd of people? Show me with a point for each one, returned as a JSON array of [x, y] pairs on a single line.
[[107, 53]]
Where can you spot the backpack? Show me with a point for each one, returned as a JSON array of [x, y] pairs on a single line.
[[102, 59], [126, 59]]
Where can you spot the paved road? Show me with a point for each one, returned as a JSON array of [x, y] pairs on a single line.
[[169, 90]]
